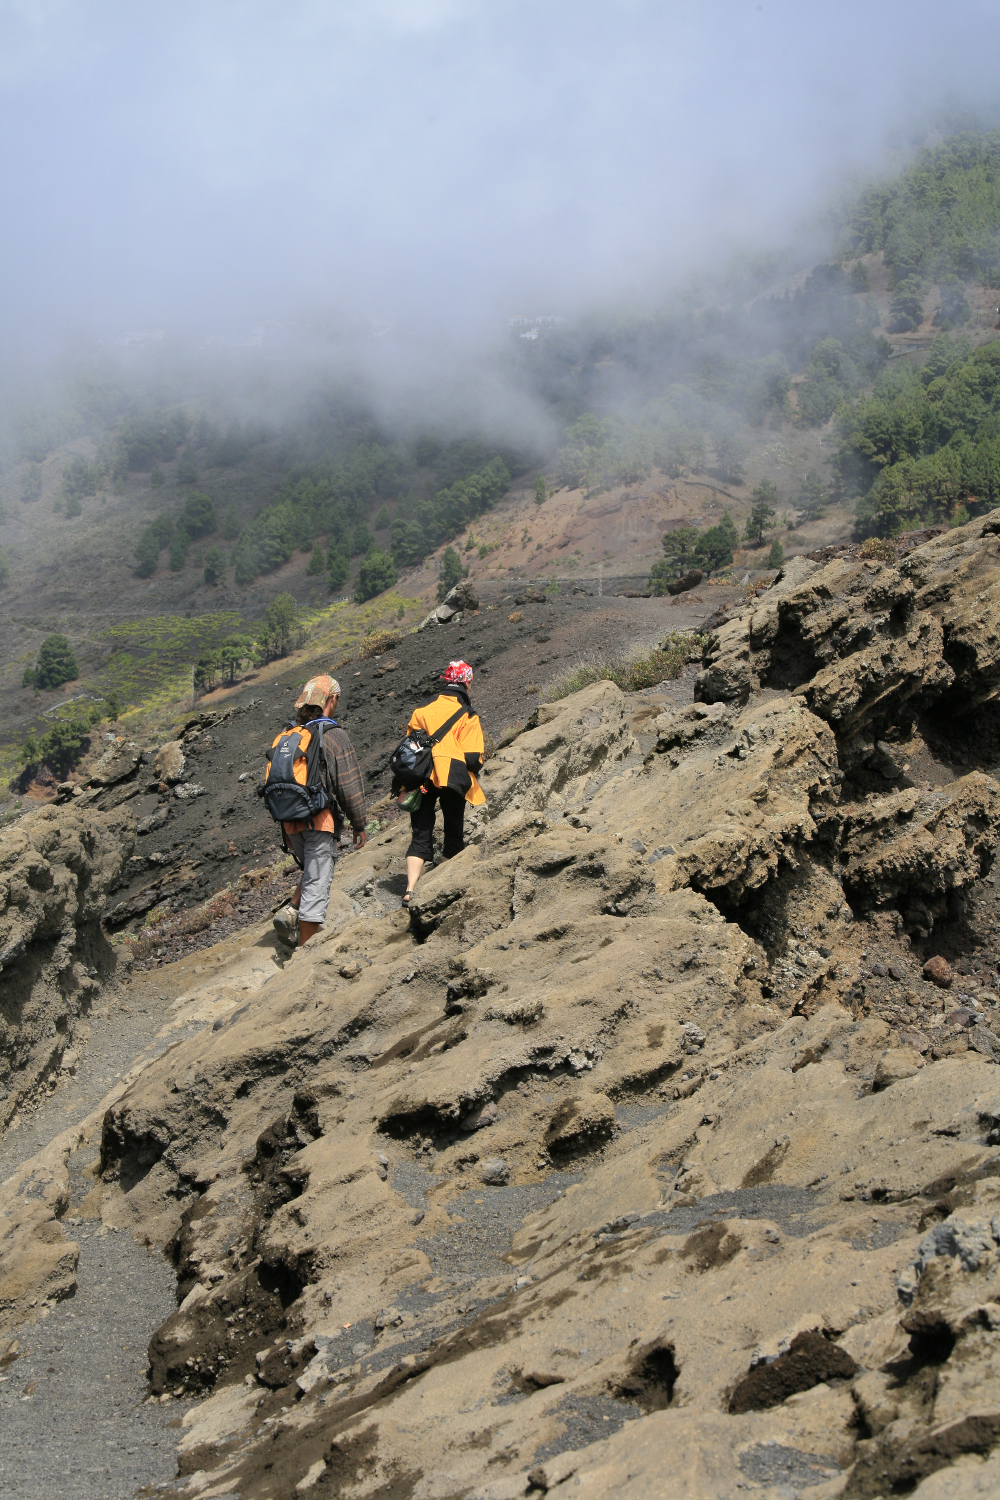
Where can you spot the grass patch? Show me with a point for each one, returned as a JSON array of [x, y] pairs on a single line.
[[632, 673]]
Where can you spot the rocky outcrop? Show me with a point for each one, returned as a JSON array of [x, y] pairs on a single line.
[[871, 647], [461, 599], [651, 1109], [57, 866]]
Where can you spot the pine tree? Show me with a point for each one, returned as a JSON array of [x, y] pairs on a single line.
[[776, 556], [315, 562], [540, 490], [187, 470], [376, 574], [339, 567], [56, 663], [762, 512], [451, 572], [231, 524]]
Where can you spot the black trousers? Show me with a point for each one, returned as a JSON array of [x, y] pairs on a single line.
[[422, 824]]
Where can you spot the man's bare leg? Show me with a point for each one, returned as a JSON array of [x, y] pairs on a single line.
[[307, 930]]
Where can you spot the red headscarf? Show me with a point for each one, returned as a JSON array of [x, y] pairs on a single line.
[[457, 673]]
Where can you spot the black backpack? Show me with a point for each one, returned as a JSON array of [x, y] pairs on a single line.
[[293, 791], [412, 761]]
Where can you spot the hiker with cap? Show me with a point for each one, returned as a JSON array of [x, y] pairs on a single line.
[[457, 758], [313, 772]]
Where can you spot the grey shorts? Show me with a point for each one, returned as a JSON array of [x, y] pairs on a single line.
[[317, 852]]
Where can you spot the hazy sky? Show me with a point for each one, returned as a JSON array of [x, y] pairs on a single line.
[[214, 163]]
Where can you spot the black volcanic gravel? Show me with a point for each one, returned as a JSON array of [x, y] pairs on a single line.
[[207, 842]]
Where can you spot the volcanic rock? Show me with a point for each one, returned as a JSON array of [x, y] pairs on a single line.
[[938, 971], [690, 580], [56, 868]]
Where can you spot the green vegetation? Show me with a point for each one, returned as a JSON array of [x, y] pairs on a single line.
[[762, 512], [451, 572], [776, 556], [938, 218], [317, 563], [632, 674], [338, 568], [362, 540], [540, 490], [198, 517], [281, 630], [186, 471], [31, 484], [686, 547], [215, 564], [376, 574], [383, 519], [924, 447], [4, 567], [439, 518], [56, 664], [65, 743], [813, 497]]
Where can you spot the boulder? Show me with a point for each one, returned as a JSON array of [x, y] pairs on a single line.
[[169, 763], [938, 971], [464, 596], [690, 580]]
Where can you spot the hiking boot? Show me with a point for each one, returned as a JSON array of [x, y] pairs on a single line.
[[286, 925]]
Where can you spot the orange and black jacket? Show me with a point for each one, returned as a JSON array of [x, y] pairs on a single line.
[[459, 756]]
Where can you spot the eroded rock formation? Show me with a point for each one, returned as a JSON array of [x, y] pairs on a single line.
[[56, 868], [646, 1153]]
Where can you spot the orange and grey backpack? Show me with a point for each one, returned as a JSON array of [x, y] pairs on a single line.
[[293, 791]]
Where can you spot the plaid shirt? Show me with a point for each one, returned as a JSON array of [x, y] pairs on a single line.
[[341, 776]]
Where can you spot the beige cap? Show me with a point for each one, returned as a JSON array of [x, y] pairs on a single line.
[[316, 692]]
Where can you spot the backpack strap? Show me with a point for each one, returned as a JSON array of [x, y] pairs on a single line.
[[447, 726]]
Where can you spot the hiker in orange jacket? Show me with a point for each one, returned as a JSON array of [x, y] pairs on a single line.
[[315, 842], [458, 757]]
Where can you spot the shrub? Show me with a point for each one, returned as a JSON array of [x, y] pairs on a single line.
[[515, 618], [879, 548], [632, 674], [776, 556], [378, 642], [4, 567], [376, 574]]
